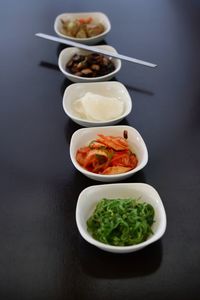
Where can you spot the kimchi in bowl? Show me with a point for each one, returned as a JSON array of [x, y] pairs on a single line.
[[108, 154]]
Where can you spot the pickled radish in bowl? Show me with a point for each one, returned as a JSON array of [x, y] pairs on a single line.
[[96, 107]]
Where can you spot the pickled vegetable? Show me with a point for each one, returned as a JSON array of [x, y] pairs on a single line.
[[107, 155], [81, 28]]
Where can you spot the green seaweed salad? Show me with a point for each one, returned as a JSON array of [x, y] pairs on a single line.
[[121, 222]]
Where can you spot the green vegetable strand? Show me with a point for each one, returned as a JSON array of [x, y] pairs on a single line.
[[121, 222]]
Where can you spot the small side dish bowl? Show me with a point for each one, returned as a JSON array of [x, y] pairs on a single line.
[[67, 53], [82, 137], [90, 196], [97, 17], [106, 89]]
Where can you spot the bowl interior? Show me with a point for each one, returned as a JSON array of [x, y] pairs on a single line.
[[106, 89], [84, 136], [89, 198], [97, 17]]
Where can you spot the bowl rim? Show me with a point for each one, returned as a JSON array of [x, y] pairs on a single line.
[[107, 29], [113, 176], [125, 114], [88, 79], [153, 238]]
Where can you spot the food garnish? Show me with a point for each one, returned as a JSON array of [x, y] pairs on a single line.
[[107, 155], [125, 134], [121, 222]]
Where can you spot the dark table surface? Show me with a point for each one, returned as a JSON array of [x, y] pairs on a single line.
[[42, 255]]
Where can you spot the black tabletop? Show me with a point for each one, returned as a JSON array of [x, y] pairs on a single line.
[[42, 255]]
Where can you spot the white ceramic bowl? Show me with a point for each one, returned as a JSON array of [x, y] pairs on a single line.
[[82, 137], [98, 17], [67, 53], [107, 89], [90, 196]]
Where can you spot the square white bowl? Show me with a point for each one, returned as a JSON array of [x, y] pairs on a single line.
[[90, 196], [82, 137], [67, 53], [107, 89], [98, 17]]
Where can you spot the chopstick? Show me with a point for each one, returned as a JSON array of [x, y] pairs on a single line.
[[95, 49]]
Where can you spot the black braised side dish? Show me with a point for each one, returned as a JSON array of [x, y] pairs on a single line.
[[92, 65]]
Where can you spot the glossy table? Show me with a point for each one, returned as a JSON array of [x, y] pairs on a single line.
[[42, 255]]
